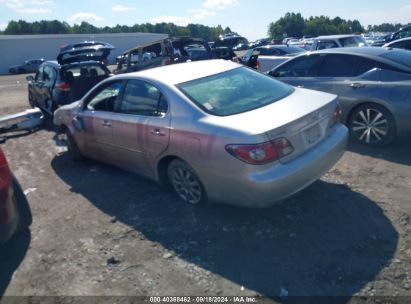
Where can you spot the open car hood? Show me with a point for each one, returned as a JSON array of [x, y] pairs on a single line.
[[84, 51]]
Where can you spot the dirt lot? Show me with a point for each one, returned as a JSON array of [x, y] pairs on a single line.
[[98, 230]]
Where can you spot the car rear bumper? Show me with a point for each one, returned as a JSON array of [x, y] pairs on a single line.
[[264, 188]]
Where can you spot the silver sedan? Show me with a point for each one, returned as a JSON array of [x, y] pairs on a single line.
[[373, 85], [215, 130]]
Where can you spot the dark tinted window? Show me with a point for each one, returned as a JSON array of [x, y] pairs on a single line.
[[322, 45], [49, 74], [339, 66], [269, 52], [39, 74], [403, 34], [402, 45], [304, 66], [402, 57], [291, 50], [368, 64]]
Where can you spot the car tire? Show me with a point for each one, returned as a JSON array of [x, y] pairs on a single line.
[[72, 148], [372, 125], [25, 217], [185, 182]]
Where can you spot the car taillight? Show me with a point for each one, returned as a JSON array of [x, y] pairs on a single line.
[[63, 86], [260, 154], [336, 116], [5, 178], [257, 65]]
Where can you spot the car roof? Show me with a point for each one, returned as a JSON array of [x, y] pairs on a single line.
[[369, 52], [395, 41], [73, 64], [183, 72], [335, 36]]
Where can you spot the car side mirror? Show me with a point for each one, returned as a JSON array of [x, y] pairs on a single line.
[[30, 78]]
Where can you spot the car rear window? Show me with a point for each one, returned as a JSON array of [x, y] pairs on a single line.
[[352, 41], [402, 57], [235, 91], [292, 50], [92, 71]]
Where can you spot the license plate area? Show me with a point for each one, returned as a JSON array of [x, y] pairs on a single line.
[[312, 135]]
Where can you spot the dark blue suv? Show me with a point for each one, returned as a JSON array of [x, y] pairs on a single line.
[[78, 68]]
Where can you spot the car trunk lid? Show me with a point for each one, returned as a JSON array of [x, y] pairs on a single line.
[[304, 118], [84, 52]]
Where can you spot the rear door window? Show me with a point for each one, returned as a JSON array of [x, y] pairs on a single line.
[[142, 98], [269, 52], [338, 65], [304, 66], [328, 44], [104, 98]]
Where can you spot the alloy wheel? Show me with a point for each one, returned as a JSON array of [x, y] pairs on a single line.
[[186, 184], [370, 126]]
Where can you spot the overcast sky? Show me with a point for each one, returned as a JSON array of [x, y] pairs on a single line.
[[249, 18]]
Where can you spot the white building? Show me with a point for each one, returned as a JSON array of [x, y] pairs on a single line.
[[15, 49]]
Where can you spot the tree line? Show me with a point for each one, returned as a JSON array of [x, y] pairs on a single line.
[[294, 25], [291, 24], [22, 27]]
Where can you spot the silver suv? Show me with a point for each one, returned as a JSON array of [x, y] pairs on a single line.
[[336, 41]]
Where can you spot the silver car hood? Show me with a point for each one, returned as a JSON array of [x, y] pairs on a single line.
[[278, 114]]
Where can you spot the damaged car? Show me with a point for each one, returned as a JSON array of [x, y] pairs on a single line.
[[214, 130], [77, 69]]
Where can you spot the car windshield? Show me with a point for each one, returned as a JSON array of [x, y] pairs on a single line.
[[235, 91], [399, 56], [292, 49]]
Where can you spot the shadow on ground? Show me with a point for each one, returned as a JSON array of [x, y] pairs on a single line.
[[11, 255], [398, 152], [326, 241]]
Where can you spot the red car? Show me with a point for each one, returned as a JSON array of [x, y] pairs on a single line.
[[15, 214]]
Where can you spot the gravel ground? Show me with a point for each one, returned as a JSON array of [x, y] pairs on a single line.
[[98, 230]]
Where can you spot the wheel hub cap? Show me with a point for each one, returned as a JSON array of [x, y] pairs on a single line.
[[370, 126]]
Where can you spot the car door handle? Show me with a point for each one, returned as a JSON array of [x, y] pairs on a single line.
[[157, 132], [357, 85], [106, 123]]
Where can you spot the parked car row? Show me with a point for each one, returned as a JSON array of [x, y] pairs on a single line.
[[177, 124], [214, 130], [29, 66], [373, 85]]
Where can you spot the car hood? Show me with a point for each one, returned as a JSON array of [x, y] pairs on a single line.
[[78, 53]]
